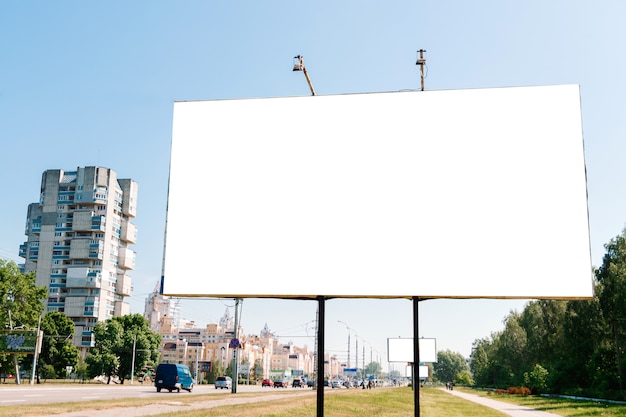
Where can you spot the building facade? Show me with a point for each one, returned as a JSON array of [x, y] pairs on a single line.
[[79, 236], [158, 307], [262, 355]]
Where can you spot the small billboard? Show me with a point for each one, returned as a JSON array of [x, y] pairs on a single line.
[[401, 350], [20, 341]]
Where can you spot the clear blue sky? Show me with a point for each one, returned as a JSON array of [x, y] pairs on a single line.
[[87, 83]]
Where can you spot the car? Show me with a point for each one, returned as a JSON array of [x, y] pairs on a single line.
[[297, 383], [310, 383], [281, 383], [173, 376], [267, 383], [336, 384], [223, 382]]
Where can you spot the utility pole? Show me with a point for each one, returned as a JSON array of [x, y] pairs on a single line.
[[15, 362], [422, 63], [132, 366]]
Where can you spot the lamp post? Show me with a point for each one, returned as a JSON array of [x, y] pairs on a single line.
[[298, 65], [347, 327]]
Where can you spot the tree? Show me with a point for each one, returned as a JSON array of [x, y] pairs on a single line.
[[21, 303], [611, 278], [372, 368], [512, 349], [481, 363], [20, 296], [449, 365], [57, 348], [116, 341], [537, 379], [257, 370]]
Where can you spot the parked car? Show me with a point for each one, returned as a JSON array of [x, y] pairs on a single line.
[[173, 376], [297, 383], [267, 383], [310, 383], [281, 383], [223, 382]]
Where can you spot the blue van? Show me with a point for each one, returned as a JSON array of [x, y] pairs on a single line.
[[173, 376]]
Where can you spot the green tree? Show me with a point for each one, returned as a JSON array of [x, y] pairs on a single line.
[[57, 348], [372, 368], [21, 304], [20, 296], [464, 378], [611, 277], [116, 340], [537, 379], [512, 350], [449, 365], [584, 333], [483, 352], [257, 371]]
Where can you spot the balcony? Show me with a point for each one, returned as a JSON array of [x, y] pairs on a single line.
[[126, 259], [35, 227], [98, 223], [129, 232], [123, 286], [83, 278]]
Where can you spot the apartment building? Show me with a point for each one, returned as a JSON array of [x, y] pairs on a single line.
[[79, 235]]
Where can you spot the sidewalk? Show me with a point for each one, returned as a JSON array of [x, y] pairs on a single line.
[[510, 409]]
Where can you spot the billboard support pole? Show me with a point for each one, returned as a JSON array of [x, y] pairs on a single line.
[[416, 357], [321, 319]]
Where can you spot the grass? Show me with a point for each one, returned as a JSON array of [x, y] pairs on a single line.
[[380, 402], [562, 407], [385, 402]]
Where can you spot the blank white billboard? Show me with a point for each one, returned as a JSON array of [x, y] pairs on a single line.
[[401, 350], [446, 194]]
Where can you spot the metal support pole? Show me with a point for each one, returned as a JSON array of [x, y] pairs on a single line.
[[321, 313], [416, 357], [236, 348], [132, 367], [15, 363]]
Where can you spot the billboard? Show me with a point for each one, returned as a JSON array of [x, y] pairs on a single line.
[[401, 350], [476, 193], [20, 341]]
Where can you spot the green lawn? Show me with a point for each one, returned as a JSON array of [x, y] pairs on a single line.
[[379, 402]]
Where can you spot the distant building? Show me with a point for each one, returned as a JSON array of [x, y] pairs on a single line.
[[263, 355], [78, 243], [159, 306]]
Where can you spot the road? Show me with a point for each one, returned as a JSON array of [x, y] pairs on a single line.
[[54, 393]]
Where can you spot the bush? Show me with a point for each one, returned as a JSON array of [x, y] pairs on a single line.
[[518, 391]]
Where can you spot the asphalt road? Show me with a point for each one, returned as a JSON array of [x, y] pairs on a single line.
[[53, 393]]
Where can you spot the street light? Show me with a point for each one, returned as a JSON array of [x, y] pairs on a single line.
[[298, 65], [347, 327]]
